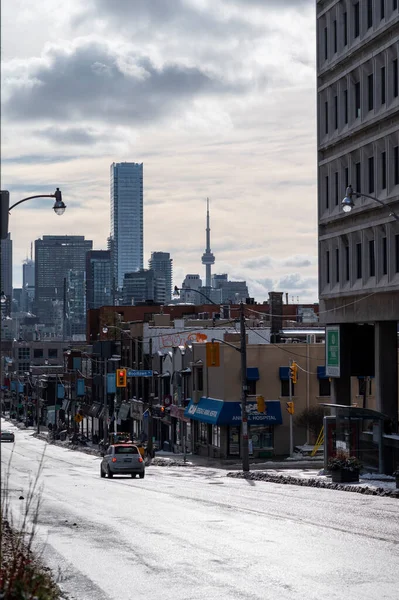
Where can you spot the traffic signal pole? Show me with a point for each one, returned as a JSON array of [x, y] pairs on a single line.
[[244, 414]]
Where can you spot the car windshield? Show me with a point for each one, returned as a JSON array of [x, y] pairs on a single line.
[[126, 450]]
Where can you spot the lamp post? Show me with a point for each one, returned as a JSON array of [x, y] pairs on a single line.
[[348, 203], [177, 292]]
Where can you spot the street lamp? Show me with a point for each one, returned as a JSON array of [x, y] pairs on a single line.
[[348, 203], [177, 292]]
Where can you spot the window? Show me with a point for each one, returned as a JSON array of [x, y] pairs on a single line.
[[23, 354], [335, 112], [395, 78], [370, 90], [369, 13], [326, 116], [38, 353], [346, 178], [325, 43], [384, 256], [396, 165], [337, 265], [383, 170], [285, 388], [358, 176], [216, 436], [335, 35], [261, 436], [383, 86], [397, 253], [126, 449], [328, 266], [394, 4], [347, 272], [251, 388], [324, 387], [345, 106], [359, 260], [23, 367], [327, 191], [382, 9], [203, 433], [357, 100], [336, 186], [53, 353], [371, 258], [362, 386], [356, 20], [345, 28], [200, 379], [371, 174]]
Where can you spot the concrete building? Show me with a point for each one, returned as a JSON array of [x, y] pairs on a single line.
[[126, 238], [28, 285], [358, 144], [55, 257], [162, 265], [232, 291], [6, 274], [99, 279]]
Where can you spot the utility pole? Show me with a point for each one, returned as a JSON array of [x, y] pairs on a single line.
[[244, 414], [150, 405], [105, 403], [291, 416]]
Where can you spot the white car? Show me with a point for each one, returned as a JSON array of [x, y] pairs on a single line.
[[122, 459]]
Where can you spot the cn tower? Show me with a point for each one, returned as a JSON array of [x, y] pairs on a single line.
[[208, 259]]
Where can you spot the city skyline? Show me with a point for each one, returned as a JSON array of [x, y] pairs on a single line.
[[237, 125]]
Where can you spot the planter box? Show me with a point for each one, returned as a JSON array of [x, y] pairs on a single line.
[[344, 476]]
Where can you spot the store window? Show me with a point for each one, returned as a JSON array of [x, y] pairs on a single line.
[[261, 436], [234, 441], [203, 433], [216, 436]]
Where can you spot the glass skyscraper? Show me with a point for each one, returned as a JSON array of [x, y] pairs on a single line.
[[99, 284], [126, 219]]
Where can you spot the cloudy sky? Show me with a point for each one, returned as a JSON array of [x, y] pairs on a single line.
[[216, 97]]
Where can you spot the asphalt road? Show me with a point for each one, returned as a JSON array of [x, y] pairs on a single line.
[[191, 533]]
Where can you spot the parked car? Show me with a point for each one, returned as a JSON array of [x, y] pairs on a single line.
[[7, 436], [122, 459]]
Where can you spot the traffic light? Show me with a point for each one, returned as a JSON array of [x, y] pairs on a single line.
[[4, 210], [121, 378], [290, 407], [213, 354], [294, 372], [261, 404]]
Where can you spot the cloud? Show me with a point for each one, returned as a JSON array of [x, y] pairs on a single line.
[[257, 263], [93, 81], [69, 136], [297, 261], [294, 282]]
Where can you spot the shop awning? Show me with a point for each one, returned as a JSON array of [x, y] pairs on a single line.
[[321, 373], [284, 373], [252, 374], [218, 412]]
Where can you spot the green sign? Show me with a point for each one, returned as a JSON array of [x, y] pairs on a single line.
[[333, 358]]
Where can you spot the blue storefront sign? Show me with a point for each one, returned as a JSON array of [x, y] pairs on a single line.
[[111, 383], [217, 412]]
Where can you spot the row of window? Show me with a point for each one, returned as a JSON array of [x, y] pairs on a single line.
[[376, 172], [341, 269], [335, 33], [353, 98], [24, 353]]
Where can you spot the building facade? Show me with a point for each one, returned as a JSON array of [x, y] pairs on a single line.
[[162, 265], [143, 286], [358, 145], [28, 285], [55, 257], [126, 238], [99, 279]]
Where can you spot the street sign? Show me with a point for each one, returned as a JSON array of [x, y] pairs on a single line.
[[142, 373], [333, 357]]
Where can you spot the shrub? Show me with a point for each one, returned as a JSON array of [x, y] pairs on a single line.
[[311, 418], [341, 460]]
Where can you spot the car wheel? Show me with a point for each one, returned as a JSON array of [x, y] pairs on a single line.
[[102, 472], [133, 475], [110, 475], [142, 475]]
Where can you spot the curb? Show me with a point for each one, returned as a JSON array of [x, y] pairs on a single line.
[[258, 476]]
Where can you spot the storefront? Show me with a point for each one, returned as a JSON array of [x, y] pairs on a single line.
[[181, 428], [217, 427]]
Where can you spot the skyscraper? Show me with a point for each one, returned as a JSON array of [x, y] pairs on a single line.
[[6, 273], [55, 256], [143, 286], [28, 284], [208, 259], [126, 239], [162, 265], [99, 284]]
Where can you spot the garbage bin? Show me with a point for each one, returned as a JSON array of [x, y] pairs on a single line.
[[166, 447]]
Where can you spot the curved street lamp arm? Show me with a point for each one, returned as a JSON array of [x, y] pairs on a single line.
[[359, 194], [31, 198], [198, 292]]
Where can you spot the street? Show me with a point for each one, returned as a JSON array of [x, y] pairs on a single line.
[[192, 533]]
